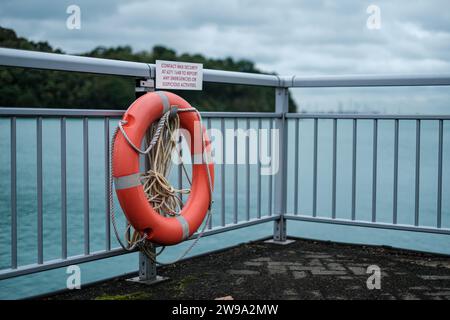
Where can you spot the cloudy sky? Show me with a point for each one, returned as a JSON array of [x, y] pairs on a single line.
[[287, 36]]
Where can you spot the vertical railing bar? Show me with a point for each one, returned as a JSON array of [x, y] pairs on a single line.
[[13, 193], [374, 170], [144, 166], [258, 175], [210, 222], [86, 184], [247, 170], [107, 186], [180, 167], [333, 201], [417, 179], [270, 195], [63, 188], [222, 211], [235, 174], [315, 169], [395, 191], [354, 142], [40, 252], [439, 191], [296, 156]]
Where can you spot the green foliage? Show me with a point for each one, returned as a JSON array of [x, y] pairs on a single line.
[[140, 295], [181, 287], [53, 89]]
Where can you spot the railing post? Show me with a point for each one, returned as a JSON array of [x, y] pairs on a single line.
[[147, 267], [147, 271], [279, 228]]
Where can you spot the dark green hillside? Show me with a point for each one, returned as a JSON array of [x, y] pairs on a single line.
[[38, 88]]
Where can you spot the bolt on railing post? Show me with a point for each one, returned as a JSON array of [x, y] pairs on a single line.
[[143, 86], [281, 106]]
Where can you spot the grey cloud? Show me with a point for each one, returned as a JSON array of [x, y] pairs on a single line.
[[54, 10]]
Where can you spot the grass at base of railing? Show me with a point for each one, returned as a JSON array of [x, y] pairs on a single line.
[[140, 295]]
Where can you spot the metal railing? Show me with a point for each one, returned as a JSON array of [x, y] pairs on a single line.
[[109, 119], [277, 187], [375, 119]]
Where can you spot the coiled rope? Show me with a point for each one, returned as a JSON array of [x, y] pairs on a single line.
[[162, 196]]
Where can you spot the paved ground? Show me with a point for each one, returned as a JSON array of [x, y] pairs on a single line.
[[302, 270]]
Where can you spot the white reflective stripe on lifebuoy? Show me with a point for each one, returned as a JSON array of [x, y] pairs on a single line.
[[184, 226], [165, 101], [126, 182]]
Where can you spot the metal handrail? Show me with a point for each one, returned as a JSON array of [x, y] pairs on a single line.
[[64, 62], [49, 112], [382, 80], [367, 116]]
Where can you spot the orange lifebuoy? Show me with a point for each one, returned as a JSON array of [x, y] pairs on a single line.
[[138, 118]]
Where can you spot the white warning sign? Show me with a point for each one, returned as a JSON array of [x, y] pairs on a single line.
[[179, 75]]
